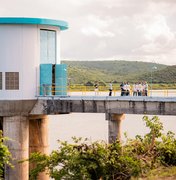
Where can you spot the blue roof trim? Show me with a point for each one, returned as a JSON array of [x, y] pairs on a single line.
[[63, 25]]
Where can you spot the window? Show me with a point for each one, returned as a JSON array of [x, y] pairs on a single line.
[[12, 80], [0, 80], [47, 46]]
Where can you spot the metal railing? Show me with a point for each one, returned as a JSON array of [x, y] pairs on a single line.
[[90, 91]]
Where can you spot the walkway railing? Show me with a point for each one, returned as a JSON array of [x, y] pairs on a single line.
[[90, 91]]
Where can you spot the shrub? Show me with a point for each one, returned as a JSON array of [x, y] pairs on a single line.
[[5, 155], [82, 161], [99, 160], [167, 149]]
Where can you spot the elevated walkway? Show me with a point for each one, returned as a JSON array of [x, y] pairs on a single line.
[[49, 105], [105, 104]]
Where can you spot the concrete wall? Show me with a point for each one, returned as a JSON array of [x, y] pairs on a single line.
[[16, 107]]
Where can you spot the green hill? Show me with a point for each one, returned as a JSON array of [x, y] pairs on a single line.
[[166, 75], [80, 72]]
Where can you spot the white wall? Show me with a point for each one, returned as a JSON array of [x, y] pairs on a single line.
[[20, 52]]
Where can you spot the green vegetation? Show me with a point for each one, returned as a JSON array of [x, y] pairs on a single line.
[[165, 76], [5, 155], [81, 72], [143, 157]]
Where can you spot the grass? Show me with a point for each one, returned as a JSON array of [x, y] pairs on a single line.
[[164, 86], [161, 173]]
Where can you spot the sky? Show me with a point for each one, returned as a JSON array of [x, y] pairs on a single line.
[[135, 30]]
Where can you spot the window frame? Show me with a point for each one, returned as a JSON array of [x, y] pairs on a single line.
[[55, 47], [11, 80]]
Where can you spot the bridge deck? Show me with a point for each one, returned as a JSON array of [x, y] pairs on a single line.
[[106, 104], [89, 104]]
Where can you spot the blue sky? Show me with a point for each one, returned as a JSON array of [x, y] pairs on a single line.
[[143, 30]]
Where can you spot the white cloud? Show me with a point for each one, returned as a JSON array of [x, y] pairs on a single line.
[[160, 39], [158, 27], [96, 26], [94, 31], [101, 29]]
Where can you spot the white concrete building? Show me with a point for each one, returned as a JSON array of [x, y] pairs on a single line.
[[25, 45]]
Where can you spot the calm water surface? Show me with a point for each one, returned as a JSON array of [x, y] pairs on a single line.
[[95, 127]]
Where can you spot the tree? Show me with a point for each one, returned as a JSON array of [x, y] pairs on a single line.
[[98, 160], [5, 155], [82, 160]]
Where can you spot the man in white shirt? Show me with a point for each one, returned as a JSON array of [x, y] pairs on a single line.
[[140, 89], [110, 89], [135, 86]]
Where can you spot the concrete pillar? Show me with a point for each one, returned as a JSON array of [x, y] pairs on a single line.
[[114, 126], [1, 123], [17, 129], [38, 139]]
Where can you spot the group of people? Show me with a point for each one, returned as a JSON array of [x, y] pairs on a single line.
[[138, 89], [96, 88]]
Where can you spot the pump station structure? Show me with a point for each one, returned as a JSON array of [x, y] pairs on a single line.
[[29, 67]]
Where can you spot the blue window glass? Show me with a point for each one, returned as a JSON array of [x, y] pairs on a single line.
[[47, 47]]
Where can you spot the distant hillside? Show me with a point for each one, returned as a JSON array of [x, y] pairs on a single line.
[[166, 75], [81, 72]]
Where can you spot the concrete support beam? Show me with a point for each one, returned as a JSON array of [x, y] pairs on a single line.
[[96, 104], [17, 129], [16, 107], [38, 138], [114, 126]]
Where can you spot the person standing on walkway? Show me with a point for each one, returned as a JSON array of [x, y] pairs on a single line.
[[135, 89], [145, 88], [122, 89], [96, 88], [110, 89], [128, 88], [140, 89]]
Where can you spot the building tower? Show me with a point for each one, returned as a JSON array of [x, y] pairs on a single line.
[[30, 58], [29, 67]]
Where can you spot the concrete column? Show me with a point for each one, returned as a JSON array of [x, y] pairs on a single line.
[[38, 139], [114, 126], [1, 123], [17, 129]]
